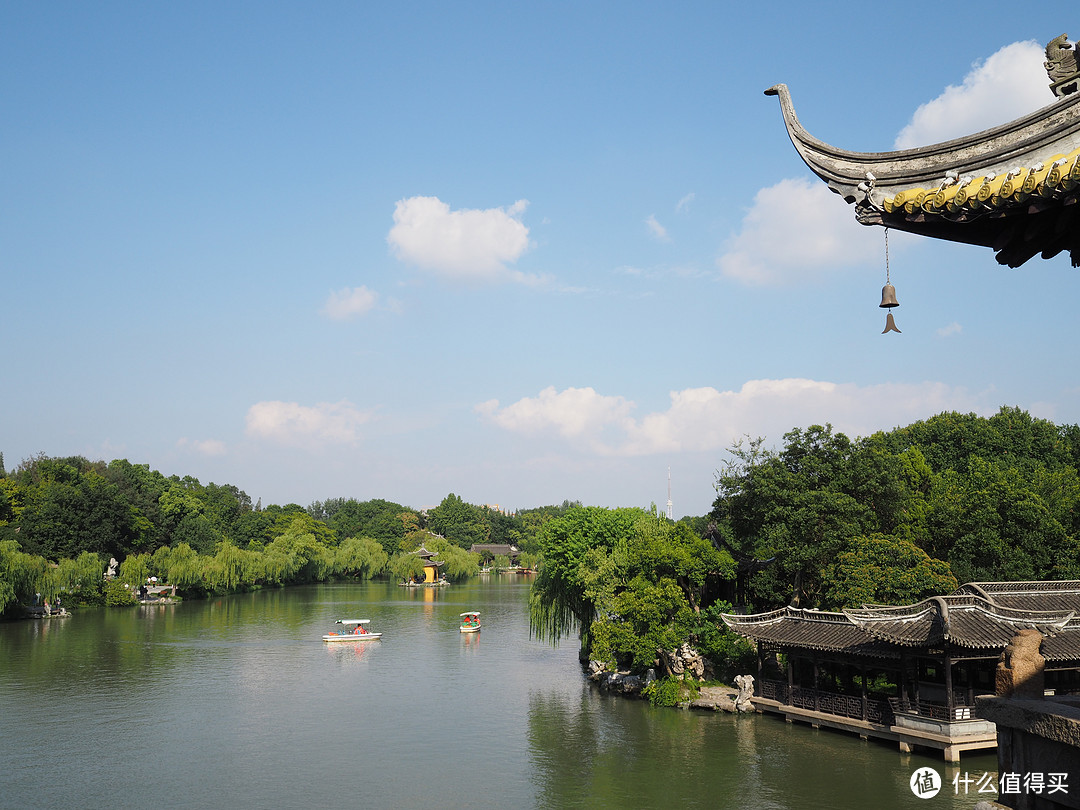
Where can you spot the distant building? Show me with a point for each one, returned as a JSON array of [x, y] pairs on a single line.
[[492, 550], [431, 566]]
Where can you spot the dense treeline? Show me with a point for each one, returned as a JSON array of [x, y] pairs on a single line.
[[823, 522], [62, 519], [901, 515]]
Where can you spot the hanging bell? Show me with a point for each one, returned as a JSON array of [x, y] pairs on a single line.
[[890, 324], [888, 297]]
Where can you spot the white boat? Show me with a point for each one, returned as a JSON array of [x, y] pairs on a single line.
[[470, 622], [352, 630]]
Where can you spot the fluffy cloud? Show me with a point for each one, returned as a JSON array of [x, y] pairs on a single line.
[[573, 413], [1008, 85], [795, 230], [467, 245], [705, 419], [296, 424], [350, 302], [207, 447]]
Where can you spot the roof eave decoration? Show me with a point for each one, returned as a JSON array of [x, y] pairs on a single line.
[[940, 618], [956, 189]]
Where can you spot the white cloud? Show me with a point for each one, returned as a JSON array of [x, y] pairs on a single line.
[[573, 413], [656, 229], [708, 420], [1008, 85], [469, 245], [350, 302], [207, 447], [683, 205], [952, 329], [296, 424], [795, 231]]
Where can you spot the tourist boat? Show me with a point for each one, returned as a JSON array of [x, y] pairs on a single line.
[[470, 622], [352, 630]]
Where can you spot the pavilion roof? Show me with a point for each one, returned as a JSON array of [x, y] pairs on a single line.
[[966, 621], [809, 629], [1012, 188], [977, 616], [1063, 595]]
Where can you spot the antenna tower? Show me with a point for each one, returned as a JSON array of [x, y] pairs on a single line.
[[669, 493]]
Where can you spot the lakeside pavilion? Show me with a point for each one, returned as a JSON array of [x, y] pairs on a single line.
[[431, 566], [910, 674]]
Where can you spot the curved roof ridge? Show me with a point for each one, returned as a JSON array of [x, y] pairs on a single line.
[[992, 150]]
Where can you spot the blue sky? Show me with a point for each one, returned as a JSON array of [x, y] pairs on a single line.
[[375, 250]]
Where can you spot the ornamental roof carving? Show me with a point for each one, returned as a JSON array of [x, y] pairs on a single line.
[[1012, 188]]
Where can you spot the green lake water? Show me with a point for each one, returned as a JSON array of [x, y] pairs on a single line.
[[235, 702]]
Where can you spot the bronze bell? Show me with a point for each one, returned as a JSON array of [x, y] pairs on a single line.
[[888, 297]]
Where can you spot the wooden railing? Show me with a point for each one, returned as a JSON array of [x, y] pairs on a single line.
[[874, 710]]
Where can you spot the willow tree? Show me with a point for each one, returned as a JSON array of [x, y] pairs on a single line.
[[22, 575], [558, 603], [179, 565], [360, 557], [82, 575], [632, 582]]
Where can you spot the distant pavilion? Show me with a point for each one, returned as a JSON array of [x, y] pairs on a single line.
[[431, 566]]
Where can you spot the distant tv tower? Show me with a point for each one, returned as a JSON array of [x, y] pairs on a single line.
[[669, 493]]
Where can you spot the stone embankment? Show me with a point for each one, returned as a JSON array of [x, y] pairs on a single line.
[[684, 661]]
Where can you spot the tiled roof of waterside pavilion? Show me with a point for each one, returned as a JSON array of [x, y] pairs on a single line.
[[1012, 188], [977, 616]]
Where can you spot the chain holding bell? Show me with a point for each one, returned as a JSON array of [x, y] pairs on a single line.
[[888, 293]]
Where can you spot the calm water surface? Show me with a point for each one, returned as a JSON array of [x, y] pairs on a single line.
[[236, 702]]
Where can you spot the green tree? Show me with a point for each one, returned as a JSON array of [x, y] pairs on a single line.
[[878, 569], [461, 523], [406, 566], [135, 569], [179, 565], [69, 510], [297, 555], [632, 581], [558, 603], [799, 507], [22, 575], [360, 557]]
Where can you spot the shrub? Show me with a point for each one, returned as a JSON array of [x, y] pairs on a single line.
[[116, 594], [670, 691]]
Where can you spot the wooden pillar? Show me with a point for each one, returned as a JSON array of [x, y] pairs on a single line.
[[901, 684], [865, 696], [790, 685], [817, 703], [760, 668], [948, 686]]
